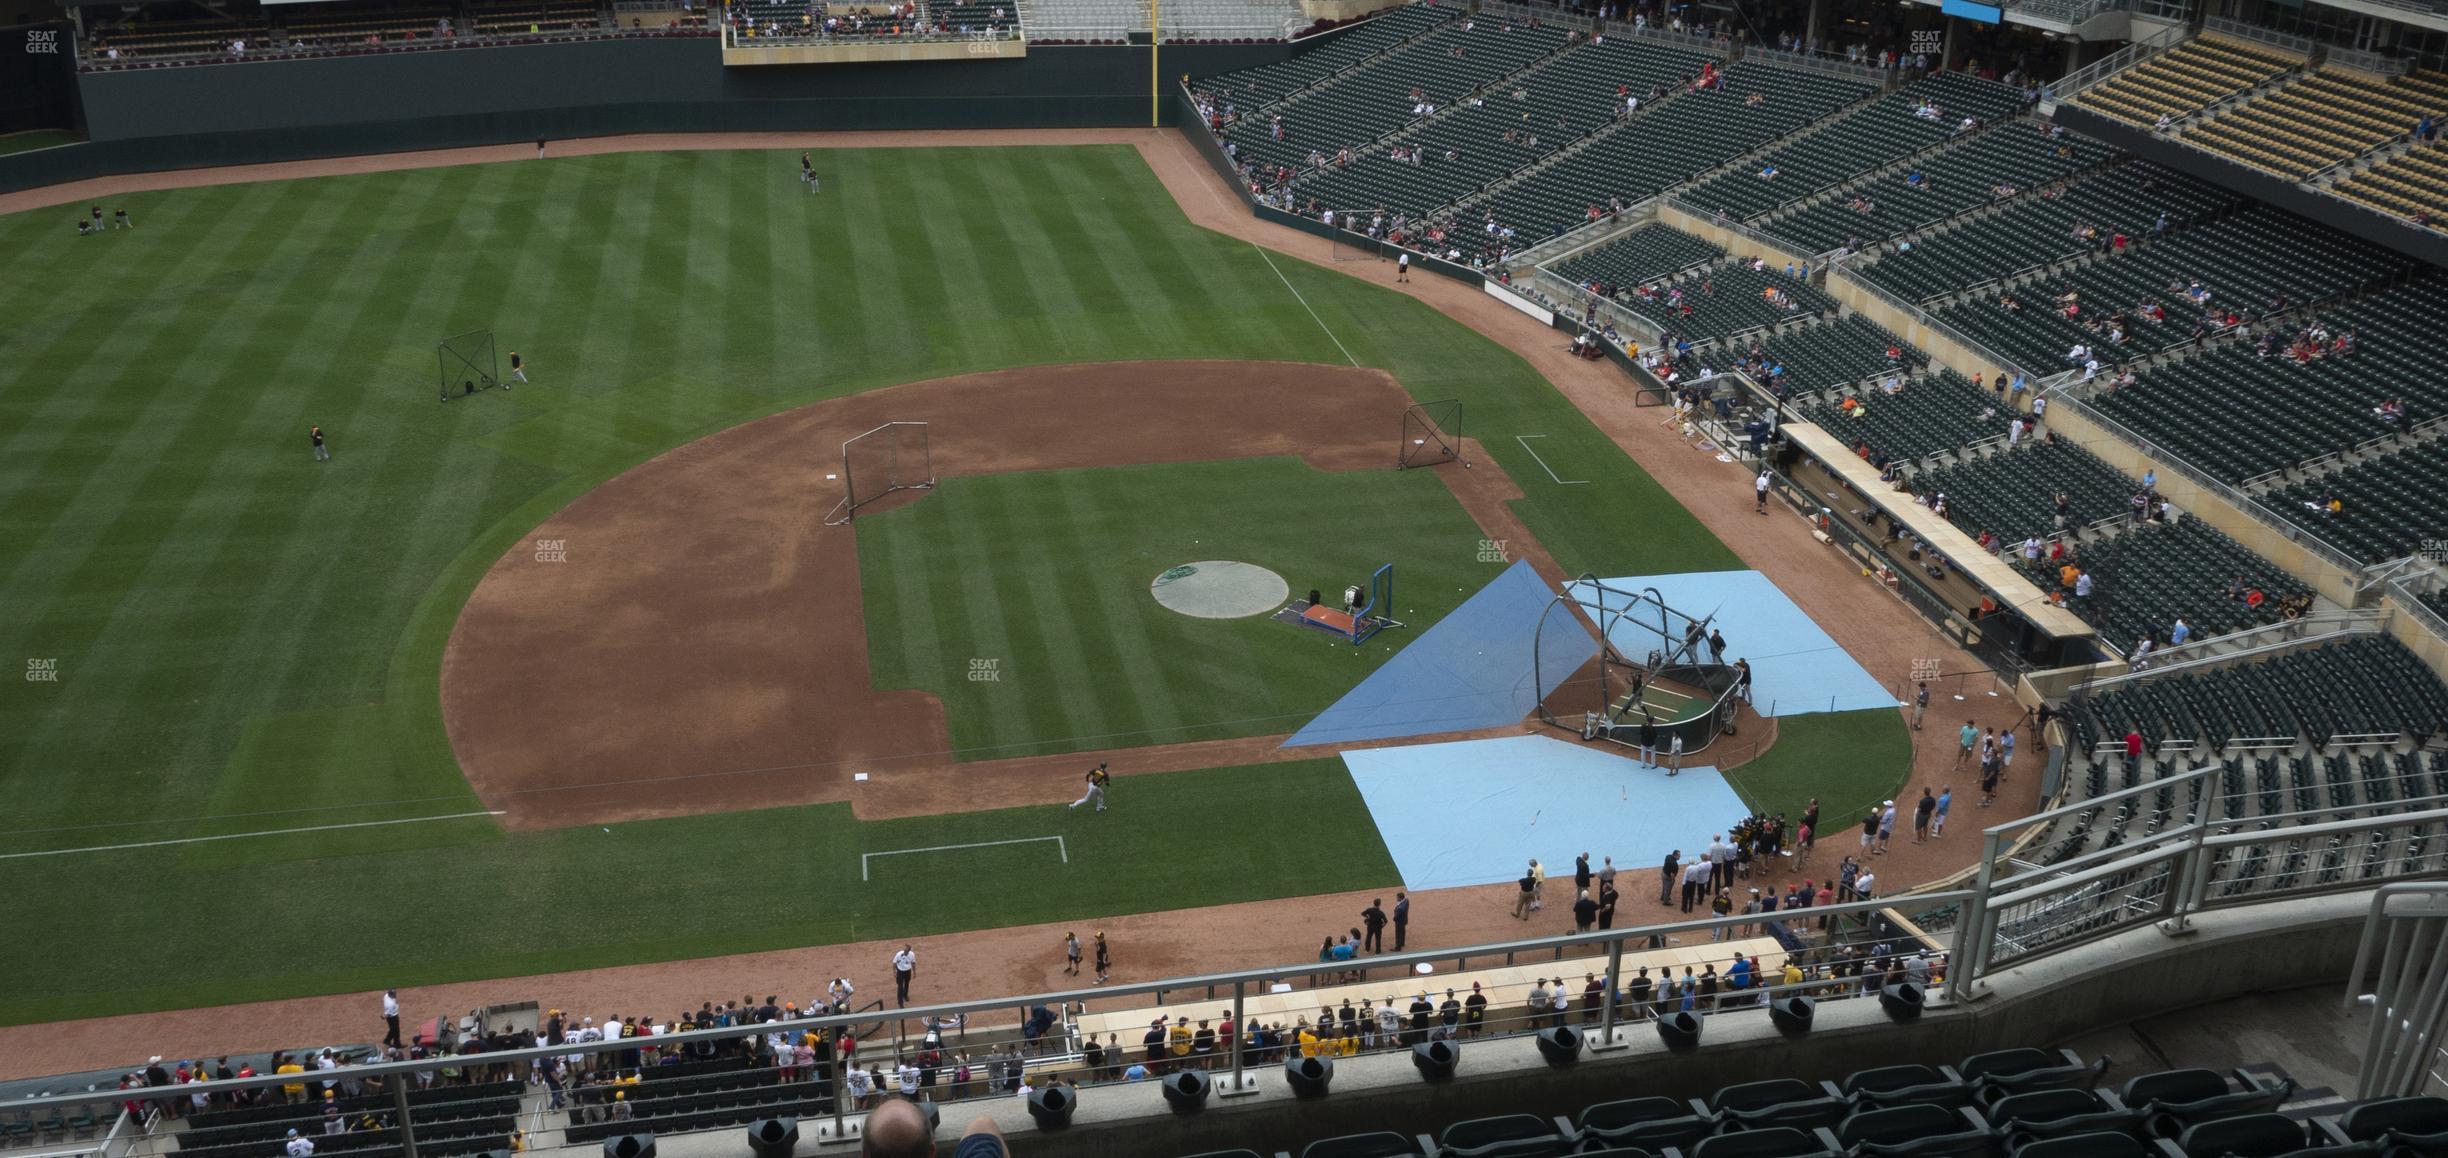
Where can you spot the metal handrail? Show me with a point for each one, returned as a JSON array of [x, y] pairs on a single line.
[[1612, 941], [2082, 78], [2407, 600], [2254, 33]]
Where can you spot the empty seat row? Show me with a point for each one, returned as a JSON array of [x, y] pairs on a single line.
[[2322, 119], [1668, 142], [2184, 80], [2140, 200], [1918, 116], [1984, 169]]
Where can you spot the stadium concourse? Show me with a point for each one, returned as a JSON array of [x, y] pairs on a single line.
[[1881, 634]]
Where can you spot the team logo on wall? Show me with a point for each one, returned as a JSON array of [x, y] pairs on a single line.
[[44, 41]]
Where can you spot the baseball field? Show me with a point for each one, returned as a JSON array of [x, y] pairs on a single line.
[[572, 674]]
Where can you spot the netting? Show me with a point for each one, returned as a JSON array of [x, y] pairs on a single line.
[[466, 363], [891, 457], [1431, 433]]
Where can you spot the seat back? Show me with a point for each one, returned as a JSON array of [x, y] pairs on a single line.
[[2189, 1085], [2258, 1100], [1506, 1136], [1756, 1095], [1889, 1078], [1383, 1144], [1899, 1124], [2418, 1116], [2045, 1105], [2086, 1146], [1773, 1143], [2249, 1136], [1999, 1063], [1630, 1111]]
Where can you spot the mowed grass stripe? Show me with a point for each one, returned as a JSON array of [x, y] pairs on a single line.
[[992, 628], [1194, 297], [920, 287], [1099, 662], [306, 653], [115, 717], [740, 347], [89, 365], [868, 328], [1104, 313], [381, 472], [1164, 707], [212, 512]]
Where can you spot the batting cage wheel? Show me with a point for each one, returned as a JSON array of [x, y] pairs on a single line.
[[466, 363], [1431, 434], [891, 457]]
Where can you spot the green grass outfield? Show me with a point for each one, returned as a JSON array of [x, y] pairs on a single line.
[[1047, 574], [36, 139], [245, 640], [326, 912]]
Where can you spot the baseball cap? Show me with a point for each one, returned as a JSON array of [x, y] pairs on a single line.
[[1888, 804]]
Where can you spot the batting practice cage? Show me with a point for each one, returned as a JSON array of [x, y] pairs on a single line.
[[1652, 665], [1431, 433], [892, 457], [467, 363]]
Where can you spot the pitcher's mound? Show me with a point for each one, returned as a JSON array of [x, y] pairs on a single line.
[[1220, 589]]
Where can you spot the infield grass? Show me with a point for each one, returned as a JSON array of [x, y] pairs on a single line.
[[1850, 761], [246, 639], [1046, 577]]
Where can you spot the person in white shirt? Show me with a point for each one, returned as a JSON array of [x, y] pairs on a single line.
[[905, 966], [298, 1147], [839, 992], [391, 1033], [856, 1084], [909, 1080]]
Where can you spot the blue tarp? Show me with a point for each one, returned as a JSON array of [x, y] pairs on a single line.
[[1472, 670]]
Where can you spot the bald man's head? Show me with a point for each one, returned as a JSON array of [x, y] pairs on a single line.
[[897, 1129]]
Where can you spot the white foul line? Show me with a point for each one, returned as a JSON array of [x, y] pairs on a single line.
[[244, 835], [1524, 440], [1296, 296], [1059, 847]]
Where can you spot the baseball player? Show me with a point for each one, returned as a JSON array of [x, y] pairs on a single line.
[[1097, 779], [518, 369]]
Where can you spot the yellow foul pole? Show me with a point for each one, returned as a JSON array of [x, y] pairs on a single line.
[[1155, 74]]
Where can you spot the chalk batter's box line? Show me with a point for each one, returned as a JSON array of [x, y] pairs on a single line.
[[1059, 847], [1524, 440]]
